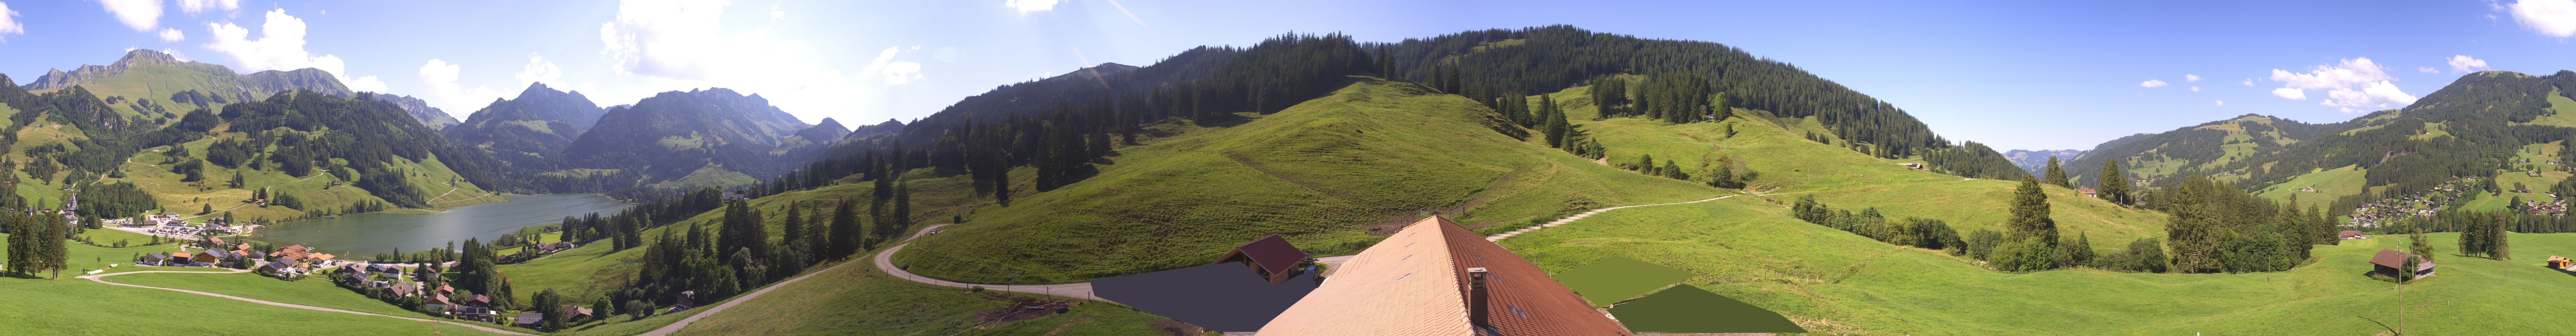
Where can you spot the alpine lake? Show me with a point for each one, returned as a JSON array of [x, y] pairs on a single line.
[[368, 234]]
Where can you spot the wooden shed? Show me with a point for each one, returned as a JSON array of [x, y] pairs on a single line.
[[2388, 261], [1271, 257]]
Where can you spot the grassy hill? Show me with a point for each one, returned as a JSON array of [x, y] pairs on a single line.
[[71, 306], [1790, 166], [1832, 281], [1327, 173]]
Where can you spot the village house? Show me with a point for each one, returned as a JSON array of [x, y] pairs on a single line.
[[1437, 278], [683, 302], [2088, 192], [437, 302], [530, 320], [576, 313], [1271, 257], [405, 289], [154, 259], [478, 308], [2351, 234], [2388, 261]]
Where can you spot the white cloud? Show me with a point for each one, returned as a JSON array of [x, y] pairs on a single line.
[[896, 72], [2350, 72], [2195, 89], [2427, 70], [1031, 5], [2190, 78], [2292, 94], [365, 84], [2215, 102], [2462, 63], [2248, 82], [775, 14], [194, 6], [2377, 95], [539, 70], [279, 47], [2549, 17], [142, 15], [662, 45], [9, 22], [172, 35], [2349, 84], [2152, 83], [440, 78], [174, 54]]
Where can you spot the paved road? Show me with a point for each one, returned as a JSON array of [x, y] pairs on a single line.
[[675, 327], [1570, 219], [100, 279]]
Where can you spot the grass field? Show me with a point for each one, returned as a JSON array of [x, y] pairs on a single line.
[[148, 171], [84, 257], [314, 291], [1326, 173], [2330, 184], [2562, 111], [80, 307], [1784, 160], [859, 300], [1831, 281]]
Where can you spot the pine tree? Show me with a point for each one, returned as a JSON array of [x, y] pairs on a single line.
[[2057, 176], [2417, 244], [1555, 124], [238, 182], [845, 228], [2112, 183], [2030, 215]]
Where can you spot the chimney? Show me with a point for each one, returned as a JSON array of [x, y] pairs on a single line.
[[1476, 297]]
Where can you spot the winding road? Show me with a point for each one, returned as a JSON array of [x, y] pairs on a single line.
[[101, 278], [675, 327]]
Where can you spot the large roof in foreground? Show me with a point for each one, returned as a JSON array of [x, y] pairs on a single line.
[[1415, 283]]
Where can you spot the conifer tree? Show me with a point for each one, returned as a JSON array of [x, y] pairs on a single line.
[[2030, 215], [2417, 244], [2112, 183], [2057, 176], [1555, 125], [845, 228]]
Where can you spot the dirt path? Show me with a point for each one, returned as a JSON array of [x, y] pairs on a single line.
[[885, 262], [101, 279], [1570, 219], [675, 327]]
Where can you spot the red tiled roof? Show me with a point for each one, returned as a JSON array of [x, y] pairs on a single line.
[[1272, 253], [1416, 283]]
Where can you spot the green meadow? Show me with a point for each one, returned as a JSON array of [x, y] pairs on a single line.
[[1836, 282]]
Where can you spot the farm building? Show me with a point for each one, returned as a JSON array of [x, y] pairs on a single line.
[[2088, 192], [1436, 278], [2389, 261], [1271, 257], [2562, 263], [2350, 234]]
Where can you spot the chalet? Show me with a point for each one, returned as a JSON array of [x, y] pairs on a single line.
[[1271, 257], [2087, 192], [2562, 263], [1437, 278], [2351, 234], [576, 313], [405, 289], [437, 302], [478, 308], [155, 259], [736, 197], [1916, 166], [445, 289], [683, 302], [212, 242], [214, 257], [2388, 261], [530, 320]]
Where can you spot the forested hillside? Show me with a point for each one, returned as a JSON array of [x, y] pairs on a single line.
[[2466, 146], [686, 140], [539, 123]]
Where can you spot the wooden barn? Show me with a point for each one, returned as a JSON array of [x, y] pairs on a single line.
[[1271, 257], [2389, 261], [2561, 263]]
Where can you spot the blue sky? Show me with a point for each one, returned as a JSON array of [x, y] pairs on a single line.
[[2026, 75]]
